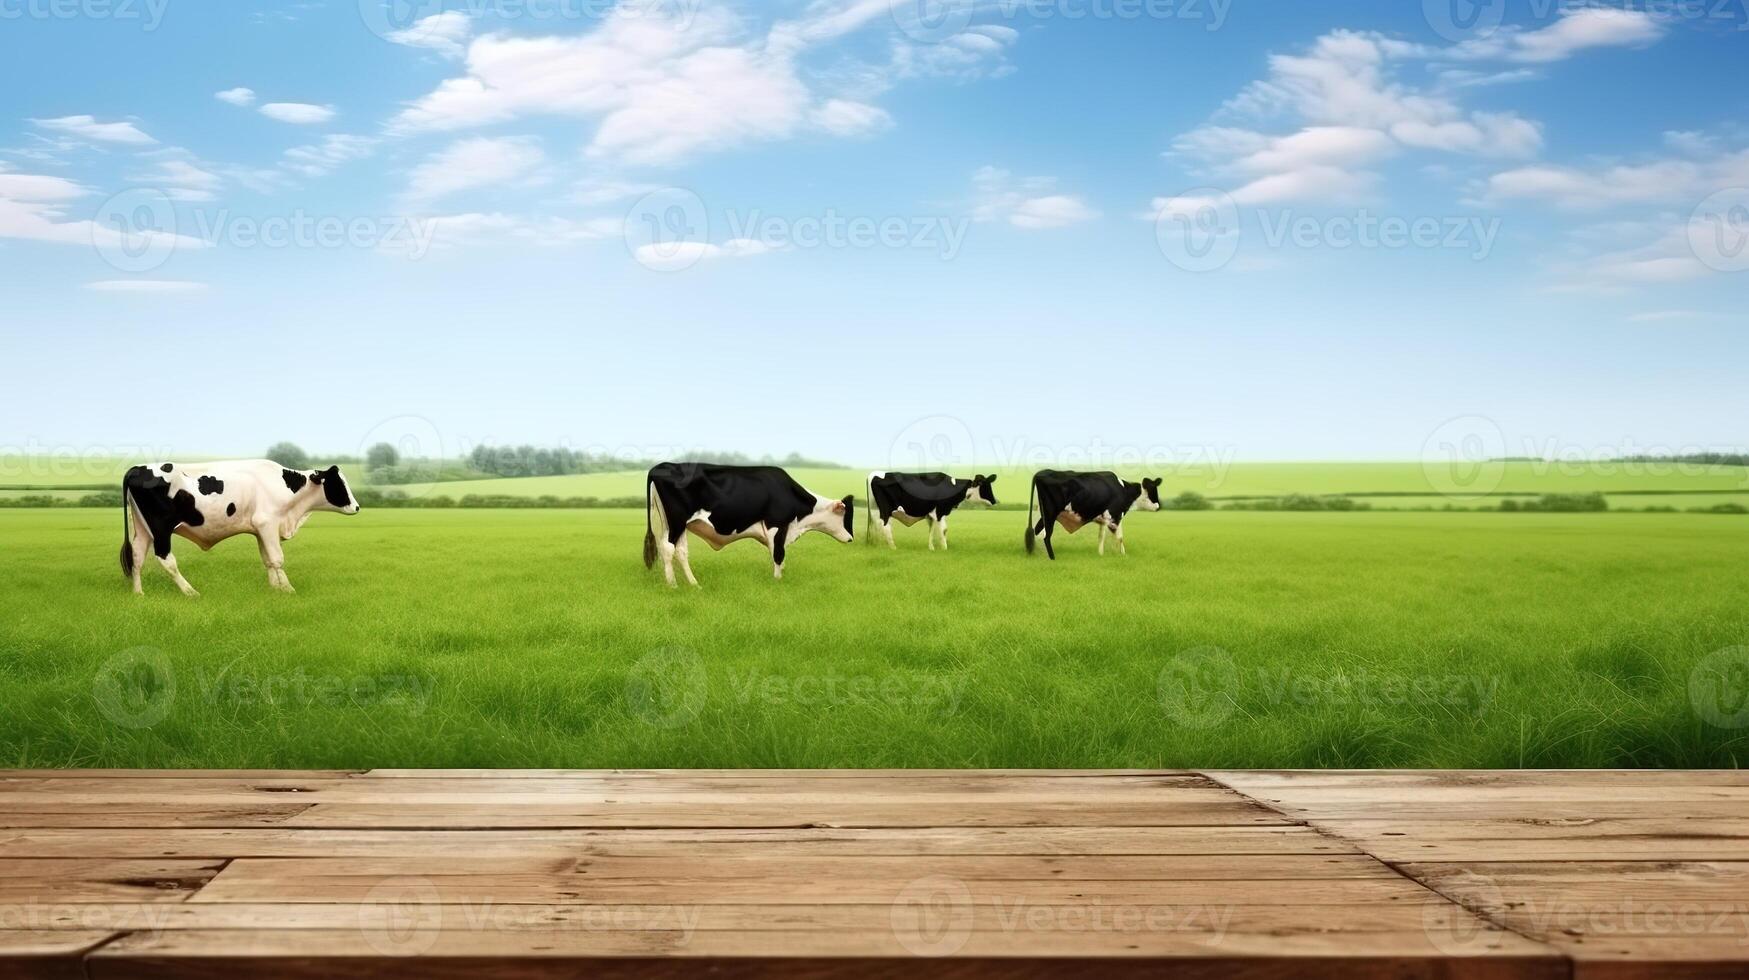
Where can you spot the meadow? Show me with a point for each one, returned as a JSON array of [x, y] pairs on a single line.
[[1224, 639]]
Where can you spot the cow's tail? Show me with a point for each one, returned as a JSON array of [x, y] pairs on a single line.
[[649, 519], [1031, 530], [127, 535]]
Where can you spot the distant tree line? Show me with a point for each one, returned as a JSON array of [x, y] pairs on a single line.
[[1705, 459], [534, 461]]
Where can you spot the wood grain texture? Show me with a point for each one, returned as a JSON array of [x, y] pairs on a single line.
[[1616, 875]]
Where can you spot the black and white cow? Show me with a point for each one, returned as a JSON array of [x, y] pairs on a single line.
[[913, 497], [209, 502], [1075, 500], [722, 504]]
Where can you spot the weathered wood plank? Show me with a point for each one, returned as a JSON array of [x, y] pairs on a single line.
[[491, 814], [665, 774], [35, 813], [1266, 779], [318, 842], [885, 942], [1488, 841], [104, 879], [45, 954], [556, 889], [723, 788]]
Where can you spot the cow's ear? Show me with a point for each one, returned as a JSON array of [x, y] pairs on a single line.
[[990, 479]]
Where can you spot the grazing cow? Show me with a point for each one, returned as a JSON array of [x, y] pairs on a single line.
[[722, 504], [209, 502], [1075, 500], [913, 497]]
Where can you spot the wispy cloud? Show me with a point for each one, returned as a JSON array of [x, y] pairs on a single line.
[[87, 127]]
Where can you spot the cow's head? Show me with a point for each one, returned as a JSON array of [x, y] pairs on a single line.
[[834, 517], [1150, 498], [336, 495], [980, 492]]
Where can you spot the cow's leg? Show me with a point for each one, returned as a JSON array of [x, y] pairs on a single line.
[[887, 528], [140, 540], [1050, 529], [685, 561], [666, 545], [942, 522], [931, 529], [1118, 531], [777, 549], [168, 560], [273, 557], [1102, 539]]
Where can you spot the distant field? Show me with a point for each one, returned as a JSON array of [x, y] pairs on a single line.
[[1238, 480], [537, 638]]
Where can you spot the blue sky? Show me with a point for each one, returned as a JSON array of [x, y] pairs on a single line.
[[1234, 230]]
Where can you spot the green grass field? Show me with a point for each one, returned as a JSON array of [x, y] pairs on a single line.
[[537, 638], [1383, 486]]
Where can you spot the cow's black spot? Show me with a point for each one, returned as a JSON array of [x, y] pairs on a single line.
[[294, 481], [186, 511], [210, 485], [166, 467], [230, 510], [334, 486]]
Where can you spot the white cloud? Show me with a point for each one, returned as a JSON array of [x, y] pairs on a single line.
[[598, 190], [298, 113], [1051, 211], [473, 163], [842, 117], [1662, 316], [1025, 202], [663, 85], [673, 256], [145, 286], [441, 32], [319, 159], [87, 127], [1577, 30], [34, 207], [236, 96], [1658, 181], [182, 179], [495, 228], [1352, 110], [1316, 146]]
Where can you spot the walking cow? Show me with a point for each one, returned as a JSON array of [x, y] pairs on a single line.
[[1075, 500], [722, 504], [210, 502], [913, 497]]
